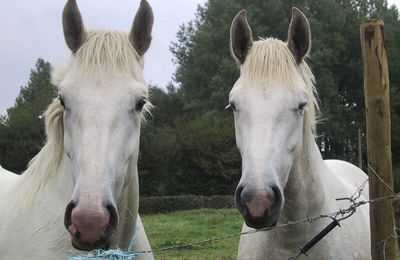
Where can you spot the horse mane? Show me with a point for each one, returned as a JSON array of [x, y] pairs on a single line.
[[270, 59], [102, 52], [45, 164]]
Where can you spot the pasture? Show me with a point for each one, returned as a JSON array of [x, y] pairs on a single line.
[[181, 227]]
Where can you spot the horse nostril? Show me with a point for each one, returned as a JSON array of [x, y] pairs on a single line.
[[243, 196], [238, 195], [77, 235], [68, 212], [277, 195], [113, 221], [275, 189]]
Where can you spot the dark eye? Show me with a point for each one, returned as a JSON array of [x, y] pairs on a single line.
[[140, 104], [231, 106], [61, 101], [302, 106]]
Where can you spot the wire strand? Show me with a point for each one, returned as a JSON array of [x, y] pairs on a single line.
[[344, 213]]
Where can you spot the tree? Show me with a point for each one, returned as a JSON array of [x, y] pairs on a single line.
[[22, 131], [179, 155]]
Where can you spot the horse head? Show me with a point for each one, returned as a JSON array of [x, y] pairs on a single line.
[[273, 104], [103, 96]]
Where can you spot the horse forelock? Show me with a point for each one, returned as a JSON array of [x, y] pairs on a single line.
[[102, 53], [269, 60]]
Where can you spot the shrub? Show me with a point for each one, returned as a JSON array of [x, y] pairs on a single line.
[[154, 205]]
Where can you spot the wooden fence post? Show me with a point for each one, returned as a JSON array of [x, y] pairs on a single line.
[[377, 103]]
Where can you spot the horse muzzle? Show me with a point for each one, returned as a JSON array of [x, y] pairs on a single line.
[[260, 208], [90, 227]]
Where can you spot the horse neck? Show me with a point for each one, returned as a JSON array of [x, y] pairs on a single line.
[[305, 189]]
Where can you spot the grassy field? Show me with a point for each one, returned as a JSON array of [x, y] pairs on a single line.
[[184, 227]]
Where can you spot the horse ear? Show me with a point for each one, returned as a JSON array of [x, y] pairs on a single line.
[[299, 35], [74, 31], [241, 37], [140, 35]]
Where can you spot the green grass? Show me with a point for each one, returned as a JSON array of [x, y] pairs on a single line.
[[183, 227]]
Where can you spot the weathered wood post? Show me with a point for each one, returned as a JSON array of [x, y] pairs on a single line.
[[377, 106]]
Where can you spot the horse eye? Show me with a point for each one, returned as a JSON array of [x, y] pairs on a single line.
[[230, 106], [302, 106], [140, 104]]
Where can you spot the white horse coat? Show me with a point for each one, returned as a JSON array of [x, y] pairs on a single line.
[[36, 231], [89, 161]]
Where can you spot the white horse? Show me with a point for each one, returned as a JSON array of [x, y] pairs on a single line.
[[283, 175], [81, 190]]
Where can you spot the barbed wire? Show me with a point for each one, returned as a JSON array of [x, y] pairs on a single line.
[[338, 216], [379, 177], [394, 235], [353, 199]]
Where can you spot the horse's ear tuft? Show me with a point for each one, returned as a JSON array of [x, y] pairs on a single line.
[[241, 37], [74, 31], [299, 35], [140, 35]]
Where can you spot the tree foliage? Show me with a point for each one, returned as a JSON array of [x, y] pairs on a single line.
[[180, 154], [22, 130]]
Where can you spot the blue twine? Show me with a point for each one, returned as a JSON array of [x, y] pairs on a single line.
[[111, 254], [133, 241], [114, 254]]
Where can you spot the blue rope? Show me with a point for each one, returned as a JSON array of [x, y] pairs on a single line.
[[114, 254], [111, 254]]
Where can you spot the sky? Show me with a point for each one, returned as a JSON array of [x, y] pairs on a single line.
[[32, 29]]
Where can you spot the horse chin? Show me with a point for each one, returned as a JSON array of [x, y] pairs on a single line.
[[84, 246], [260, 223]]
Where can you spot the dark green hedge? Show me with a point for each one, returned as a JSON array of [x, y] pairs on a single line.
[[154, 205]]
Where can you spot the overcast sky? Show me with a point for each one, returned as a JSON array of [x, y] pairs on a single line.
[[32, 29]]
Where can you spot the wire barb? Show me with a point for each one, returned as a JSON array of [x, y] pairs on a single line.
[[336, 217], [394, 235], [380, 179], [345, 213]]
